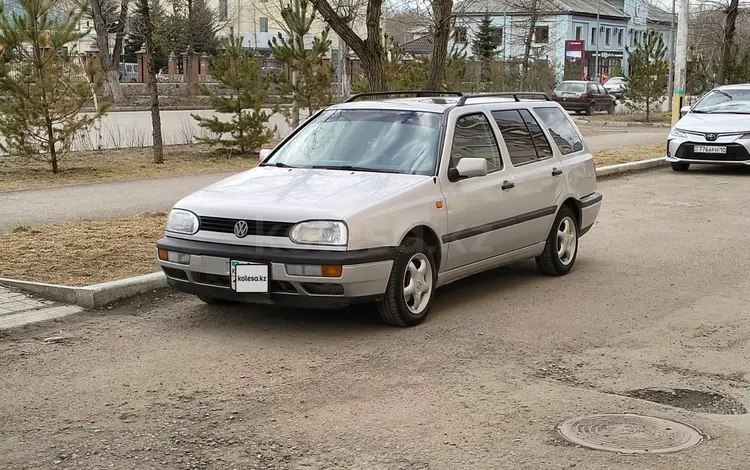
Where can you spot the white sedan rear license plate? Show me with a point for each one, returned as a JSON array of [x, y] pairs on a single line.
[[710, 149], [251, 278]]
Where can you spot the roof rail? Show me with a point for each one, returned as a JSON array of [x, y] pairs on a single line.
[[404, 92], [506, 94]]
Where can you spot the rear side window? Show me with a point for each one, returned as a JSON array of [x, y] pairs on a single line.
[[543, 148], [563, 133], [523, 136], [474, 138]]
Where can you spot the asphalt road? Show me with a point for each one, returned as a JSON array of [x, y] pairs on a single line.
[[108, 200], [659, 297]]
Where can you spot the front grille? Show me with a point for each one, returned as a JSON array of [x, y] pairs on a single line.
[[258, 228], [324, 289], [218, 280], [735, 153], [175, 273]]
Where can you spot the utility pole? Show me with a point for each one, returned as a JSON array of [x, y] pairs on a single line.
[[598, 36], [671, 53], [680, 76]]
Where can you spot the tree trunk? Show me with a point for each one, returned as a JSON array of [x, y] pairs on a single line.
[[120, 36], [152, 85], [441, 11], [527, 44], [730, 23], [370, 50], [112, 74]]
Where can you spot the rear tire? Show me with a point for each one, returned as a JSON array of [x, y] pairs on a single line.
[[411, 286], [561, 248], [679, 166], [590, 110], [611, 108]]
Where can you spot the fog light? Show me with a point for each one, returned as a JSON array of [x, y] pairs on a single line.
[[304, 270], [183, 258]]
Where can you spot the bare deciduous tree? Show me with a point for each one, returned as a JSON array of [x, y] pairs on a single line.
[[148, 34]]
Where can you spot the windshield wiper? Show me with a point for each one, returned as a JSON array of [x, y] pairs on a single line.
[[352, 168], [278, 165]]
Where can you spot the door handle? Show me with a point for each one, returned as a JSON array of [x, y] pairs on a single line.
[[508, 185], [556, 172]]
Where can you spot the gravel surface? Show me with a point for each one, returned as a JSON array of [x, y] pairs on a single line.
[[659, 297]]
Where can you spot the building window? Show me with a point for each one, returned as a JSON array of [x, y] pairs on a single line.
[[619, 37], [579, 33], [459, 34], [607, 36], [223, 10], [263, 24], [593, 35], [497, 35], [541, 34]]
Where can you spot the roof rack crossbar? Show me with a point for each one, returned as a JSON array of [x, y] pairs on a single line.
[[505, 94], [419, 93]]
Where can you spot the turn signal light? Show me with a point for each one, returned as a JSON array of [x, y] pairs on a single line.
[[163, 254], [332, 271]]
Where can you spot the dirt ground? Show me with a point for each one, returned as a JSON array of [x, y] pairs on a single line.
[[117, 165], [659, 297]]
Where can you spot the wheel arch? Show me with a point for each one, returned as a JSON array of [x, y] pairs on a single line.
[[574, 205], [429, 236]]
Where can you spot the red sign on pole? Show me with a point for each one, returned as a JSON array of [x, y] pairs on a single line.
[[574, 52]]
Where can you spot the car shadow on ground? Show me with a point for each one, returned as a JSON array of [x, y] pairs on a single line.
[[446, 308], [739, 171]]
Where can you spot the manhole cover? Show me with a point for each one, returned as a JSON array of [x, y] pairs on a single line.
[[629, 434], [693, 400], [676, 203]]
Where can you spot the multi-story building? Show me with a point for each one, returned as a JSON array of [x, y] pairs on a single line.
[[604, 29]]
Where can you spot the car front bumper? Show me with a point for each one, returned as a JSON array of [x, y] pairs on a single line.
[[681, 150], [364, 273]]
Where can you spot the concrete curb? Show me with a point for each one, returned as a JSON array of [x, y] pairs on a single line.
[[93, 296], [99, 295], [583, 122], [622, 168]]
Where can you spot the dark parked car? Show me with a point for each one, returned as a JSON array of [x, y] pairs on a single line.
[[583, 96]]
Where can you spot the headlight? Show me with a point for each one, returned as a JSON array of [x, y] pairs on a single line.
[[182, 221], [677, 133], [745, 136], [320, 232]]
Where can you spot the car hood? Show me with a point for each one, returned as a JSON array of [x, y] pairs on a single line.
[[714, 123], [294, 194]]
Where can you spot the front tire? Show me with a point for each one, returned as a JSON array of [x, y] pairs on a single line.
[[590, 110], [561, 248], [411, 286], [611, 108], [679, 166]]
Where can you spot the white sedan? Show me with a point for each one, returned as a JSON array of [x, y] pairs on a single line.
[[716, 130]]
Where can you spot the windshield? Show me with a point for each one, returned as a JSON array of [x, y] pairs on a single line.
[[571, 86], [391, 141], [724, 101]]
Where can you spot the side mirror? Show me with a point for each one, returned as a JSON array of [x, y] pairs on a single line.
[[684, 110], [264, 153], [468, 168]]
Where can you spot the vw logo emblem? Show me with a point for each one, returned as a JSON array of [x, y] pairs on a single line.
[[711, 137], [240, 229]]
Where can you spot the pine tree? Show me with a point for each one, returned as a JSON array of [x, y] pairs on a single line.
[[239, 73], [484, 44], [42, 88], [647, 73], [310, 85]]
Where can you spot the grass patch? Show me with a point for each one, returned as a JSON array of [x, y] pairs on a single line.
[[118, 165], [632, 117], [83, 253], [629, 154]]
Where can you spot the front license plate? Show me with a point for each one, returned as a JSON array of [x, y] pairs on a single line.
[[710, 149], [249, 278]]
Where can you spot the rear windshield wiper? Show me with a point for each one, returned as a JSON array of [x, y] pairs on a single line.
[[352, 168]]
